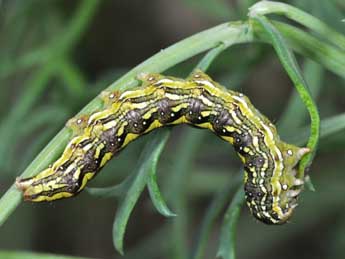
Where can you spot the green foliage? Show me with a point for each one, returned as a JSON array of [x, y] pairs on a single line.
[[147, 167], [320, 48], [228, 232]]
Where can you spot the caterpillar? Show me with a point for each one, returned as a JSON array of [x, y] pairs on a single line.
[[270, 182]]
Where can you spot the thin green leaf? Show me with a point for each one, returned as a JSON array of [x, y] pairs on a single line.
[[227, 244], [211, 215], [156, 195], [288, 61], [295, 113], [311, 47], [207, 60], [151, 154], [308, 46], [299, 16]]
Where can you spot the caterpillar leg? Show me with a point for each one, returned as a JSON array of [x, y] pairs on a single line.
[[149, 78], [198, 74], [109, 97], [77, 124]]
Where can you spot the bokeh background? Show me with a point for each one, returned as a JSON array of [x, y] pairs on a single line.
[[55, 56]]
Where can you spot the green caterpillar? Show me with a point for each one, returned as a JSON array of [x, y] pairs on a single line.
[[271, 188]]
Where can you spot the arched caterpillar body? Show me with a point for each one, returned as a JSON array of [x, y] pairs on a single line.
[[271, 188]]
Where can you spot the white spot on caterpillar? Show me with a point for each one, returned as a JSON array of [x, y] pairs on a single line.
[[289, 152], [285, 187]]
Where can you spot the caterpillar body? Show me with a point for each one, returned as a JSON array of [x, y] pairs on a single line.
[[271, 185]]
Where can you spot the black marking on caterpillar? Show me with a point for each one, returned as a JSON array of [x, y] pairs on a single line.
[[271, 188]]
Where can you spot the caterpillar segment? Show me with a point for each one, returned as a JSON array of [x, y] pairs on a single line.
[[270, 183]]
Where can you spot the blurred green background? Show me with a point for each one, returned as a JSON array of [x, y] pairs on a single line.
[[55, 56]]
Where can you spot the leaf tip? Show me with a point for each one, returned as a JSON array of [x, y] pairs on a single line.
[[119, 247]]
